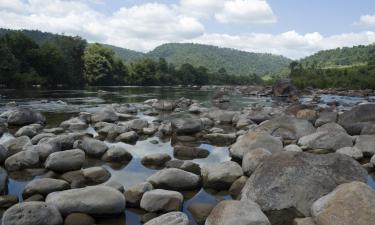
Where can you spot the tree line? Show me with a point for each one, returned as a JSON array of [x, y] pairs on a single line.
[[72, 62]]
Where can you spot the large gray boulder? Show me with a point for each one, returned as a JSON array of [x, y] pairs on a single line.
[[326, 117], [187, 152], [287, 127], [366, 144], [44, 186], [174, 179], [221, 176], [66, 160], [253, 159], [222, 116], [253, 140], [357, 118], [29, 130], [91, 146], [172, 218], [161, 200], [326, 140], [188, 166], [96, 200], [22, 160], [32, 213], [299, 179], [231, 212], [350, 203], [16, 145], [22, 117], [164, 105], [134, 194], [74, 124], [187, 126], [43, 150], [107, 114], [117, 154], [137, 124]]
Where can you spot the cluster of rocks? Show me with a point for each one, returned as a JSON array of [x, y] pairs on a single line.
[[305, 163]]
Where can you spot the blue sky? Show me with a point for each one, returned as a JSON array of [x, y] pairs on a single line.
[[294, 28]]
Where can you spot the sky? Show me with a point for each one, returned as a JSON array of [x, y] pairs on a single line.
[[293, 28]]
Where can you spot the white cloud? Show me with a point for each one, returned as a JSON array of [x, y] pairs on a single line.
[[246, 12], [366, 20], [290, 44], [201, 8]]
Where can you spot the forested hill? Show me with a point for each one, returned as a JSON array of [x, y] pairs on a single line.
[[340, 57], [213, 58], [234, 61]]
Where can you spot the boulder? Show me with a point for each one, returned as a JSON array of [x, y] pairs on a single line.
[[95, 200], [326, 140], [304, 221], [292, 148], [222, 116], [137, 124], [236, 188], [221, 176], [3, 181], [82, 218], [353, 152], [284, 88], [96, 175], [184, 165], [161, 200], [43, 150], [22, 117], [66, 160], [174, 179], [44, 186], [107, 114], [307, 114], [7, 201], [117, 154], [3, 154], [230, 212], [200, 211], [164, 105], [253, 159], [29, 130], [92, 147], [74, 124], [41, 136], [32, 213], [350, 203], [287, 127], [134, 194], [172, 218], [366, 143], [22, 160], [221, 139], [358, 117], [254, 140], [368, 129], [187, 152], [16, 145], [299, 179], [128, 137], [187, 126], [326, 117], [158, 159]]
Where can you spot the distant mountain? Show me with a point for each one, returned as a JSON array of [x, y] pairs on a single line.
[[214, 58], [340, 57]]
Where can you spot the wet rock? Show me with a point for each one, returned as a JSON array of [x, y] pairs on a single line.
[[3, 181], [242, 121], [66, 160], [117, 154], [96, 200], [137, 124], [7, 201], [74, 124], [64, 141], [358, 117], [366, 144], [172, 218], [221, 139], [41, 136], [44, 186], [92, 147], [231, 212], [353, 152], [200, 212], [134, 194], [149, 130], [3, 154], [22, 117], [81, 218], [75, 178], [107, 114], [187, 152], [351, 203], [165, 129], [236, 188], [221, 176], [222, 116], [184, 165], [284, 88], [292, 148], [326, 140], [187, 126], [32, 213], [29, 130], [253, 159], [96, 175], [161, 200], [158, 159], [164, 105], [128, 137], [326, 117], [320, 175], [287, 127], [22, 160], [43, 150], [253, 140], [174, 179], [16, 145]]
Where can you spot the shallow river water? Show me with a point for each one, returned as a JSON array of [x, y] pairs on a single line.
[[60, 105]]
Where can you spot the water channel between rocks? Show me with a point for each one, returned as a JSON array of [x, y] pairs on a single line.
[[60, 105]]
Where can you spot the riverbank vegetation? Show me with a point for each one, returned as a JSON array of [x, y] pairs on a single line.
[[72, 62]]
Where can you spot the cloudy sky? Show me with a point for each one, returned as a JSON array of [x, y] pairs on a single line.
[[294, 28]]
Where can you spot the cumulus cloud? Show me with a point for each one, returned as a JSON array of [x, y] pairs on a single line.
[[366, 20]]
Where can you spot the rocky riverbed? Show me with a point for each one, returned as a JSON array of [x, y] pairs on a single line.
[[183, 161]]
